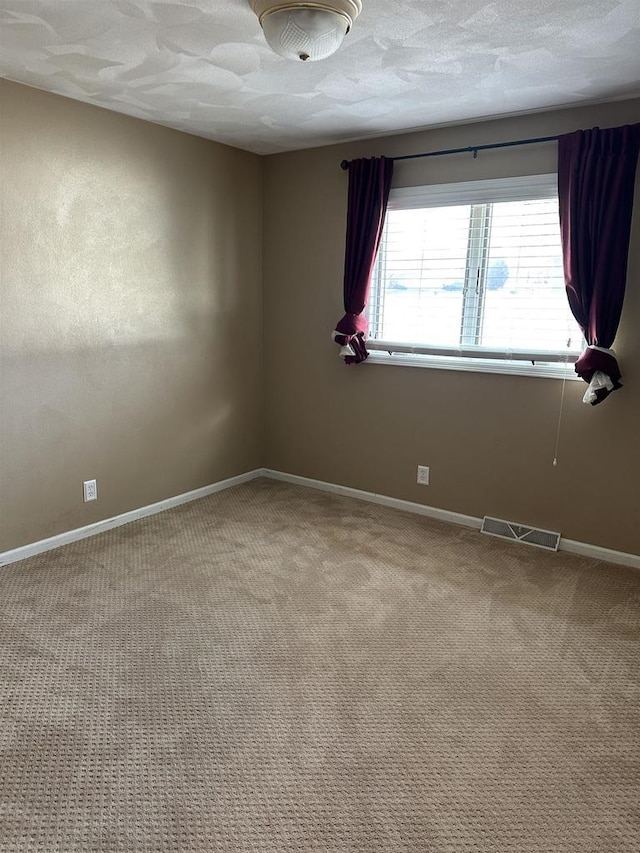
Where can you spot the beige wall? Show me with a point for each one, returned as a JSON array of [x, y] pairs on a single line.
[[130, 313], [489, 439], [131, 329]]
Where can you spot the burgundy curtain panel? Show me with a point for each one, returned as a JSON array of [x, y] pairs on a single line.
[[369, 186], [596, 176]]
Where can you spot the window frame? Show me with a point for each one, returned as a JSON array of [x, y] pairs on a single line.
[[477, 194]]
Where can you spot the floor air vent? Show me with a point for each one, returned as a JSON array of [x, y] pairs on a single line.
[[520, 533]]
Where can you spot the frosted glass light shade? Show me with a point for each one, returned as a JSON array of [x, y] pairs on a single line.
[[306, 29], [305, 34]]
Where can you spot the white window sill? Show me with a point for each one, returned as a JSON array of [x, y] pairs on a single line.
[[477, 365]]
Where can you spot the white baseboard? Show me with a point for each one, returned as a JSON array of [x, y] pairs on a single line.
[[118, 520], [584, 549], [571, 546], [371, 497]]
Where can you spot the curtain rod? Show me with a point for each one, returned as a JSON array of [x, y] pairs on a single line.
[[469, 149]]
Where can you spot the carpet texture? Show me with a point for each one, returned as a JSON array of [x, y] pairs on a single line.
[[275, 669]]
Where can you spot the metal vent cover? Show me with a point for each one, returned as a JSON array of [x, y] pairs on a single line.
[[547, 539]]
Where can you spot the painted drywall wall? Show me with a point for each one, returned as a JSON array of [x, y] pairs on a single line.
[[489, 439], [130, 313]]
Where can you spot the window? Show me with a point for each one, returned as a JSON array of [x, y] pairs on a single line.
[[472, 273]]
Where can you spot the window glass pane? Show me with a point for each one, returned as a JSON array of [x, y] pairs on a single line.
[[483, 274], [525, 300], [424, 272]]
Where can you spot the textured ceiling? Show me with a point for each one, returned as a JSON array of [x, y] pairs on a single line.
[[202, 65]]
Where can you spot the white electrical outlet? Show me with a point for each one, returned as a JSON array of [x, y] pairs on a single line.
[[423, 475], [90, 490]]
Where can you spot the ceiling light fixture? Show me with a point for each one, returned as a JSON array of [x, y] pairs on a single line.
[[306, 31]]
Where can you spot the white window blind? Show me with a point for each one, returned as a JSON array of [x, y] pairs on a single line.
[[473, 270]]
